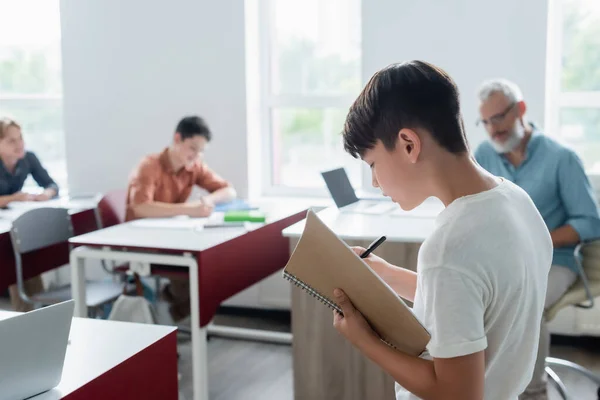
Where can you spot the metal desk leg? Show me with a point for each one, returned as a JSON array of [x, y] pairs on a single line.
[[77, 262], [199, 345], [257, 335]]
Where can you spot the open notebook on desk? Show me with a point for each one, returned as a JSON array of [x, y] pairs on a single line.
[[235, 205], [216, 220], [322, 262], [7, 214], [170, 223]]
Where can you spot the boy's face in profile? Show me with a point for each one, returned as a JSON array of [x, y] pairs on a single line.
[[395, 171], [189, 150]]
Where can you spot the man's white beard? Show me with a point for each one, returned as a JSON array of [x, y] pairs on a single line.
[[512, 142]]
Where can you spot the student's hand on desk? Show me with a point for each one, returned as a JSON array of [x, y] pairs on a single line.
[[377, 264], [351, 324], [45, 195], [207, 201], [200, 210], [22, 196]]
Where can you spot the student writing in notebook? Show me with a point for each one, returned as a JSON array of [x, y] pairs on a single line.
[[482, 273], [162, 183]]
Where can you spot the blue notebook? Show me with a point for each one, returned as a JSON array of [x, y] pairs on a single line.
[[234, 205]]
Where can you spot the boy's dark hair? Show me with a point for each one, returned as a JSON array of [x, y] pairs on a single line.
[[193, 126], [412, 94]]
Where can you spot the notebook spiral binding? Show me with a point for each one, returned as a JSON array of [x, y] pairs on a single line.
[[311, 291], [321, 298]]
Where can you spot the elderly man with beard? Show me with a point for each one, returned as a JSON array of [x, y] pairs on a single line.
[[554, 178]]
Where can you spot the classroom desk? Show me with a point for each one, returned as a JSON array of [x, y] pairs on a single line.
[[37, 262], [221, 262], [103, 362], [325, 365]]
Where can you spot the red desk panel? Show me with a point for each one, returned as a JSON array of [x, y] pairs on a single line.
[[233, 266], [150, 374]]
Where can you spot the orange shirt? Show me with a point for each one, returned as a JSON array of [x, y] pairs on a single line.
[[155, 180]]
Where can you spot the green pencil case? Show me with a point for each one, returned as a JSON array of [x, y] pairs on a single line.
[[244, 216]]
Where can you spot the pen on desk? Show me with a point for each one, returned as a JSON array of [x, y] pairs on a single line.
[[372, 247], [226, 225]]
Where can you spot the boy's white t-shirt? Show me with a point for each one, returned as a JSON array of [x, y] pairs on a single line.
[[481, 285]]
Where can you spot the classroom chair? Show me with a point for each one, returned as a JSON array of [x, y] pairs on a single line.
[[110, 211], [581, 295], [42, 228], [111, 208]]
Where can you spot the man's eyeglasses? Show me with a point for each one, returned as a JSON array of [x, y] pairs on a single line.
[[496, 119]]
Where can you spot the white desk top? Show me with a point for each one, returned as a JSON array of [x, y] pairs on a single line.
[[145, 237], [358, 226], [97, 346], [182, 236], [15, 209]]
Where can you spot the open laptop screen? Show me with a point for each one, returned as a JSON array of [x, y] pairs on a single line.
[[339, 186]]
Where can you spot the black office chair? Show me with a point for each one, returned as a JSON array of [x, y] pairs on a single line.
[[44, 227]]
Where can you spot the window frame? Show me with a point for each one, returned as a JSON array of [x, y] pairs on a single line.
[[556, 99], [268, 101], [41, 99], [38, 99]]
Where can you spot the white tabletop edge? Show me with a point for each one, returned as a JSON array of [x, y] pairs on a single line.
[[100, 345], [17, 208], [358, 226], [178, 239]]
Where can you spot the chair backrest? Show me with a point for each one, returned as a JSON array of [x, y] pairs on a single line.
[[590, 254], [112, 208], [39, 228], [586, 289]]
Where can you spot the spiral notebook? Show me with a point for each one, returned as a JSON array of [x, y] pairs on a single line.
[[322, 262]]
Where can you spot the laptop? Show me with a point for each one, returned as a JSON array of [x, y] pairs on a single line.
[[345, 198], [32, 350]]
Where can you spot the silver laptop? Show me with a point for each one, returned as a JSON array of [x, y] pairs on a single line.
[[32, 350], [345, 198]]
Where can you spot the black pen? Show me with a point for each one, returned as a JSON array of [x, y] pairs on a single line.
[[372, 247]]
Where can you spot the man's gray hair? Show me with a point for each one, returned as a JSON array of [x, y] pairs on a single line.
[[509, 89]]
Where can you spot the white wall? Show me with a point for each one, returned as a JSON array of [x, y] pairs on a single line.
[[133, 68], [471, 39]]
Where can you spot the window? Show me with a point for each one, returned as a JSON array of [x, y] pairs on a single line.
[[30, 79], [574, 78], [310, 72]]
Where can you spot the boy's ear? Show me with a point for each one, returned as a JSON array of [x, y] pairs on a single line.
[[177, 138], [409, 144]]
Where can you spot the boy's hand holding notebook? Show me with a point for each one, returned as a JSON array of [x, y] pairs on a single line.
[[321, 262]]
